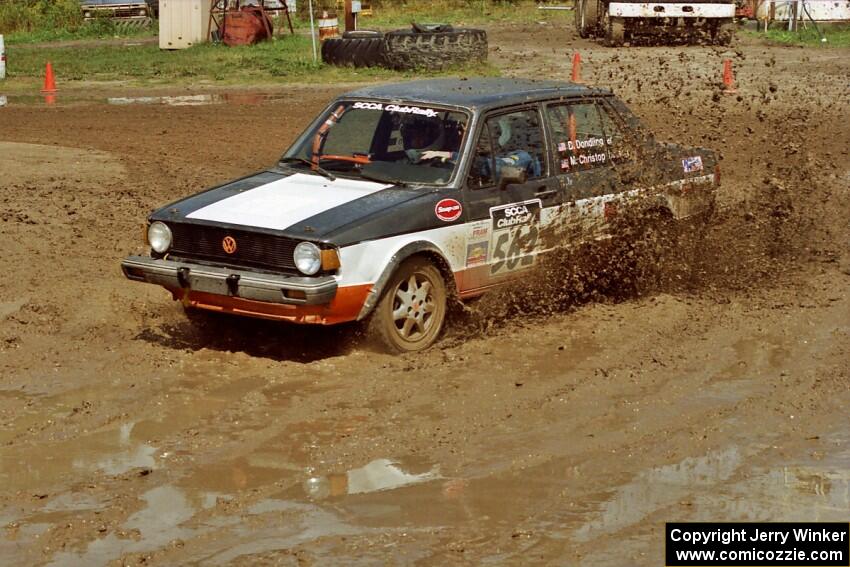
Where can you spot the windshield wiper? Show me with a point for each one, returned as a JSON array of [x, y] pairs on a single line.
[[314, 167], [381, 178]]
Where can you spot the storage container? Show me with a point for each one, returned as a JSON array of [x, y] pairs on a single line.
[[183, 23]]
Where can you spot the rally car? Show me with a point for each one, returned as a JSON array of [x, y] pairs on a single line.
[[400, 198]]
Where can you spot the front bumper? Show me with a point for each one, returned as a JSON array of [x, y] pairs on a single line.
[[670, 10], [268, 288]]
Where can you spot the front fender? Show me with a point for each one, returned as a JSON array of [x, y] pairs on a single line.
[[395, 261]]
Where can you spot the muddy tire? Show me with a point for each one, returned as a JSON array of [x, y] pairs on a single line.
[[354, 51], [412, 310], [616, 33], [587, 18], [408, 49], [722, 32]]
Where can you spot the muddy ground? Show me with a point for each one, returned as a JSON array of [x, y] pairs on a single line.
[[561, 432]]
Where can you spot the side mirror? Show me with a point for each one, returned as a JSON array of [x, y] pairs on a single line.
[[511, 175]]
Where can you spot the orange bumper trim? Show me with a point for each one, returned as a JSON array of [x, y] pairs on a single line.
[[345, 306]]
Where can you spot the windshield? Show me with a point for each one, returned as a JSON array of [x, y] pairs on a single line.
[[394, 143]]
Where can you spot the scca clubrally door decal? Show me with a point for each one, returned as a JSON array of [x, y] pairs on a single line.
[[516, 228]]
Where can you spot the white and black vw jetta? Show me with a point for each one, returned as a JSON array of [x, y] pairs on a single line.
[[398, 197]]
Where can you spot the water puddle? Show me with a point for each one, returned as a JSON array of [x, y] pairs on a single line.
[[721, 485], [264, 502], [376, 476], [199, 99], [155, 526], [207, 99], [112, 452], [184, 100], [660, 488]]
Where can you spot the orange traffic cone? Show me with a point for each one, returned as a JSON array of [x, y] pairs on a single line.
[[49, 80], [576, 74], [728, 78]]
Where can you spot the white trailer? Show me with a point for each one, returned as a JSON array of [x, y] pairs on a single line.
[[615, 20]]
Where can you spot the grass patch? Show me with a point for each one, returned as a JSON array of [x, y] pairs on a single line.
[[836, 36], [286, 59], [96, 29]]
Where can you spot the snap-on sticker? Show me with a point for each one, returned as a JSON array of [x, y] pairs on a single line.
[[448, 210]]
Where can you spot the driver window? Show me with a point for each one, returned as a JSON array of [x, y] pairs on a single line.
[[513, 139], [481, 173]]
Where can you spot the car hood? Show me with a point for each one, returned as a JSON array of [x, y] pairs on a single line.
[[297, 205]]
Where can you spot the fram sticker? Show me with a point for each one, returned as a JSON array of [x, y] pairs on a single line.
[[479, 232], [448, 210], [692, 164]]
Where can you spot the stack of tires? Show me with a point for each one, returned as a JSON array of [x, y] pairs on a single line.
[[422, 47]]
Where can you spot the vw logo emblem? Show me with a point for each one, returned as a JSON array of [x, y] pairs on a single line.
[[229, 244]]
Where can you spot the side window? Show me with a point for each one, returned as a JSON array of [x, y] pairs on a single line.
[[578, 138], [513, 139], [618, 147]]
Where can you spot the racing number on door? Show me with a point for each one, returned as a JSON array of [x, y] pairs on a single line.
[[515, 234]]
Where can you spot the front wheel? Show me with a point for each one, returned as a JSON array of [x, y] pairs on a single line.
[[723, 31], [412, 310], [616, 32]]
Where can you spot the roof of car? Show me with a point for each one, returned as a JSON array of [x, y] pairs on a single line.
[[475, 93]]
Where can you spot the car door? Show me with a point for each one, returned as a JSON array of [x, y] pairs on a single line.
[[585, 168], [505, 219]]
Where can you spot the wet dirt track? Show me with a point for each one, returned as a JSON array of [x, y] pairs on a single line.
[[563, 435]]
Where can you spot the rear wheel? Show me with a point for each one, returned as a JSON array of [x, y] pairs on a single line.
[[587, 17], [411, 313]]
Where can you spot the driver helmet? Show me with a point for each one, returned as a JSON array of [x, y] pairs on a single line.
[[420, 133]]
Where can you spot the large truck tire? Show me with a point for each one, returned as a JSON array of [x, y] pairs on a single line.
[[587, 18], [434, 50], [354, 51]]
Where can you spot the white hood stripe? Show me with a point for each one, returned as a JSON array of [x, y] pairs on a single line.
[[285, 202]]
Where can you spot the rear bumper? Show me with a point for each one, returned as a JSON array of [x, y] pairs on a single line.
[[670, 10], [231, 283]]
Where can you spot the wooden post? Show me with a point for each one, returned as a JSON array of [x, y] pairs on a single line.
[[349, 17]]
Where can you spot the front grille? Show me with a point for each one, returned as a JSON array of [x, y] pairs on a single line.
[[253, 249]]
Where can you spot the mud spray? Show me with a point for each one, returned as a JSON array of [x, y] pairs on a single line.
[[782, 206]]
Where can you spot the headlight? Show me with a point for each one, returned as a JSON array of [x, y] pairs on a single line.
[[159, 237], [308, 258]]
